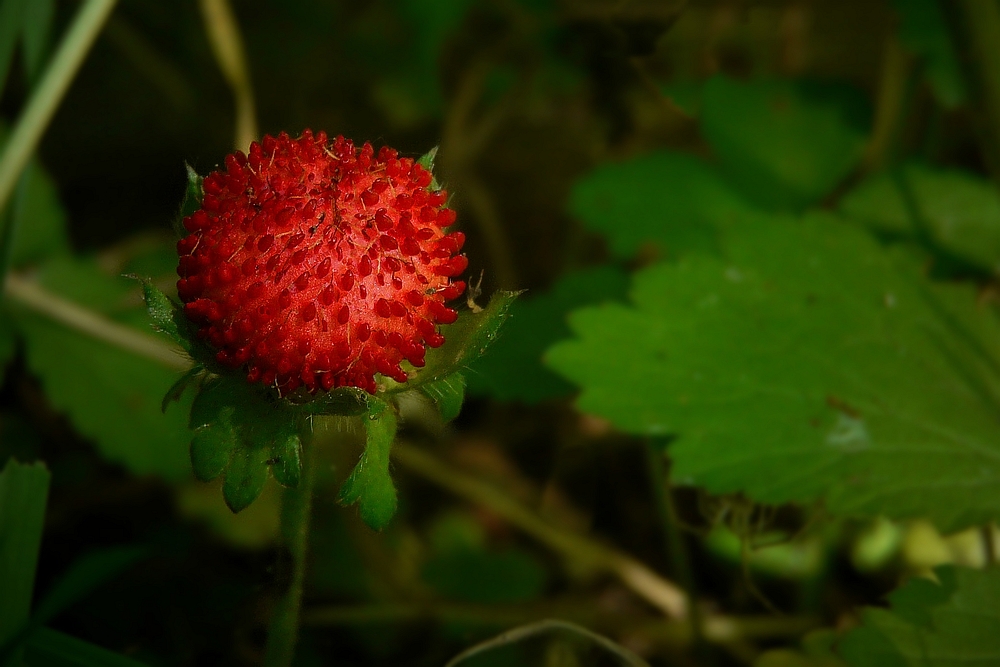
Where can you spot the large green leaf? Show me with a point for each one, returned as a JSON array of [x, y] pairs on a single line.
[[923, 28], [784, 144], [512, 367], [954, 621], [811, 364], [112, 396], [956, 210], [673, 200]]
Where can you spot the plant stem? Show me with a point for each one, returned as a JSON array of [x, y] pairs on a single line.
[[980, 33], [29, 293], [227, 45], [296, 512], [675, 542], [583, 551], [51, 89], [892, 104]]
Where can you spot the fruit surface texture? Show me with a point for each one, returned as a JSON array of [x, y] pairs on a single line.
[[317, 264]]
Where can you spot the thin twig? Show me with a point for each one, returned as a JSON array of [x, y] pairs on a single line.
[[31, 294], [51, 89], [230, 53], [583, 551], [894, 91]]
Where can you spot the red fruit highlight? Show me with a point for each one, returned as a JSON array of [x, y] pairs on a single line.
[[319, 264]]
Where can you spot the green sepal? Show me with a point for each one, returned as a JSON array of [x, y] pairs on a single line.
[[465, 341], [178, 388], [212, 449], [370, 484], [245, 476], [339, 402], [286, 459], [193, 195], [241, 430], [168, 317], [427, 162], [448, 394]]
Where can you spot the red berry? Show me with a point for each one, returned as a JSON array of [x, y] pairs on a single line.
[[318, 264]]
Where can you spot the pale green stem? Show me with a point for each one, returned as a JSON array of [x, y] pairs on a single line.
[[583, 551], [45, 99], [227, 45], [29, 293], [296, 512]]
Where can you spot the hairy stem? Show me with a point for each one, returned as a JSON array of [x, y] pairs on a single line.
[[583, 551], [296, 512], [45, 99]]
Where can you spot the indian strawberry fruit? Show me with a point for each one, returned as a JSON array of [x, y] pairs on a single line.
[[318, 264]]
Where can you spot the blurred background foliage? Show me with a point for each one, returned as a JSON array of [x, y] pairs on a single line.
[[752, 387]]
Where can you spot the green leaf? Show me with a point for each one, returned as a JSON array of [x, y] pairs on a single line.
[[957, 211], [465, 341], [673, 200], [923, 29], [810, 365], [50, 648], [512, 367], [784, 144], [954, 621], [240, 431], [24, 490], [112, 396], [370, 484], [448, 394]]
